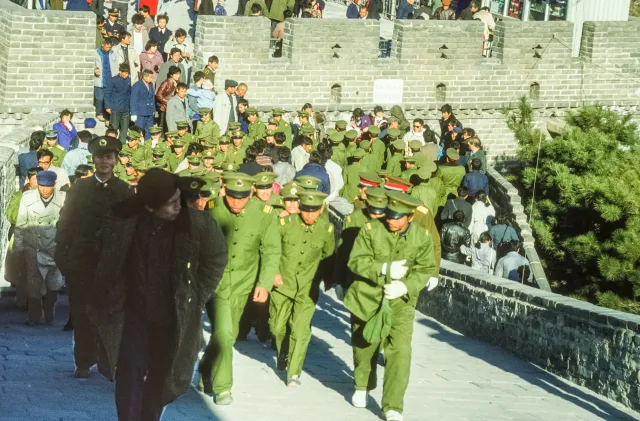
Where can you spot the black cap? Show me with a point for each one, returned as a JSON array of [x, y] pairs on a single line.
[[103, 145]]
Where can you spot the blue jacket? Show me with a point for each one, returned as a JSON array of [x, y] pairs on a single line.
[[353, 12], [26, 161], [475, 181], [65, 136], [143, 99], [78, 5], [117, 96], [317, 171], [404, 10]]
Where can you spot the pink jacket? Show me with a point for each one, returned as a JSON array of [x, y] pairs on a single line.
[[151, 62]]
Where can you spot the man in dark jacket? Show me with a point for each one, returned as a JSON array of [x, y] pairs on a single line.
[[475, 181], [117, 101], [454, 234], [30, 159], [467, 14], [159, 263], [143, 102], [161, 34], [315, 168], [85, 209], [458, 203]]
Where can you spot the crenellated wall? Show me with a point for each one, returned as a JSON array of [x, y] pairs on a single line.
[[438, 62]]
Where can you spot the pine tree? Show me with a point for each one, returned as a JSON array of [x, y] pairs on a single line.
[[586, 210]]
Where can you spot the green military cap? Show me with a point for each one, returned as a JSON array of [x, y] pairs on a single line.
[[275, 200], [264, 180], [399, 144], [179, 143], [236, 134], [51, 134], [290, 191], [171, 133], [396, 184], [270, 133], [329, 131], [206, 190], [277, 111], [453, 154], [350, 134], [382, 173], [193, 159], [307, 129], [197, 171], [224, 140], [401, 204], [415, 144], [159, 163], [215, 190], [427, 170], [311, 200], [234, 125], [182, 125], [376, 200], [358, 153], [104, 145], [238, 185], [141, 166], [273, 121], [251, 111], [336, 138], [341, 124], [409, 159], [374, 130], [210, 143], [204, 111], [369, 179], [303, 114], [365, 144], [208, 155], [394, 133], [155, 130], [133, 135], [212, 175], [230, 167], [308, 182], [157, 152]]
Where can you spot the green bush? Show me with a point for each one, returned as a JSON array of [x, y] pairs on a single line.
[[586, 213]]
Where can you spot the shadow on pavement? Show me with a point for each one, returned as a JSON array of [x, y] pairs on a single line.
[[534, 375]]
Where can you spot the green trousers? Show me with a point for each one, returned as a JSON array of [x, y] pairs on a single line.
[[217, 361], [397, 356], [293, 316]]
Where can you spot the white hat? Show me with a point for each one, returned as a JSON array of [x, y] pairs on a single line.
[[207, 84]]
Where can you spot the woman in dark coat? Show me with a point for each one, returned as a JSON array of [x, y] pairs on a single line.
[[159, 263]]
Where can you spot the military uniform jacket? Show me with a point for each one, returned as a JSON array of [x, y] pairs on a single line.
[[306, 253], [209, 131], [451, 176], [58, 154], [376, 245], [174, 160], [188, 138], [350, 228], [377, 149], [352, 181], [394, 168], [340, 155], [236, 155], [142, 153], [285, 128], [87, 205], [253, 241], [425, 218], [257, 130], [427, 195]]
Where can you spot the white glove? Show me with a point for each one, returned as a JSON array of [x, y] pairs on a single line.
[[394, 290], [399, 268], [134, 118], [339, 290], [432, 283]]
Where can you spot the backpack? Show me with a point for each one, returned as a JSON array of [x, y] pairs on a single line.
[[220, 10]]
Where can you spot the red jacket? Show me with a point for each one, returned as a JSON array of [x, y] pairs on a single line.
[[166, 90]]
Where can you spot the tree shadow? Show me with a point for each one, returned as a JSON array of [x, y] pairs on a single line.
[[532, 374]]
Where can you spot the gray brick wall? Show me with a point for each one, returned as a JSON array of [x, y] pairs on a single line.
[[607, 72]]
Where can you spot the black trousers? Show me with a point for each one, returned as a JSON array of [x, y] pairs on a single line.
[[85, 341], [143, 366], [255, 315]]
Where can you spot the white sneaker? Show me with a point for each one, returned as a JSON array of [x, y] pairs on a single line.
[[359, 398], [393, 416]]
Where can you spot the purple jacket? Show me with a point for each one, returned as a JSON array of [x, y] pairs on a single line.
[[65, 137], [317, 171], [365, 122]]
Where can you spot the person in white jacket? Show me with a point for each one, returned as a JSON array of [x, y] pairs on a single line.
[[125, 53], [416, 133], [225, 107], [483, 256], [482, 214]]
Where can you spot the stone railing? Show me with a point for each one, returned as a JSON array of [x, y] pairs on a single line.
[[588, 345], [505, 196]]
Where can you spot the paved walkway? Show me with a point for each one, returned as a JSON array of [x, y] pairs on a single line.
[[453, 378]]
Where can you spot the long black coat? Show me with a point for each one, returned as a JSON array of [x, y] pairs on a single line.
[[199, 258]]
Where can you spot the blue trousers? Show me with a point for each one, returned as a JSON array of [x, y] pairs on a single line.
[[145, 122], [98, 96]]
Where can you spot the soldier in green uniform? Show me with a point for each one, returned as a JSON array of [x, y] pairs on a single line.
[[369, 161], [208, 159], [451, 174], [352, 176], [138, 153], [283, 126], [392, 136], [236, 153], [394, 166], [176, 156], [253, 242], [207, 128], [392, 262], [264, 189], [194, 166], [183, 133], [290, 200], [51, 143], [257, 129], [367, 179], [123, 158], [409, 163], [424, 191], [377, 146], [170, 137], [338, 149], [159, 163], [375, 205], [352, 146], [307, 247], [222, 156], [156, 138], [158, 153], [129, 174], [341, 126], [270, 137], [416, 152]]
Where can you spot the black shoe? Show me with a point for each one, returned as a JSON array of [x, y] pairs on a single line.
[[282, 363], [68, 327]]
